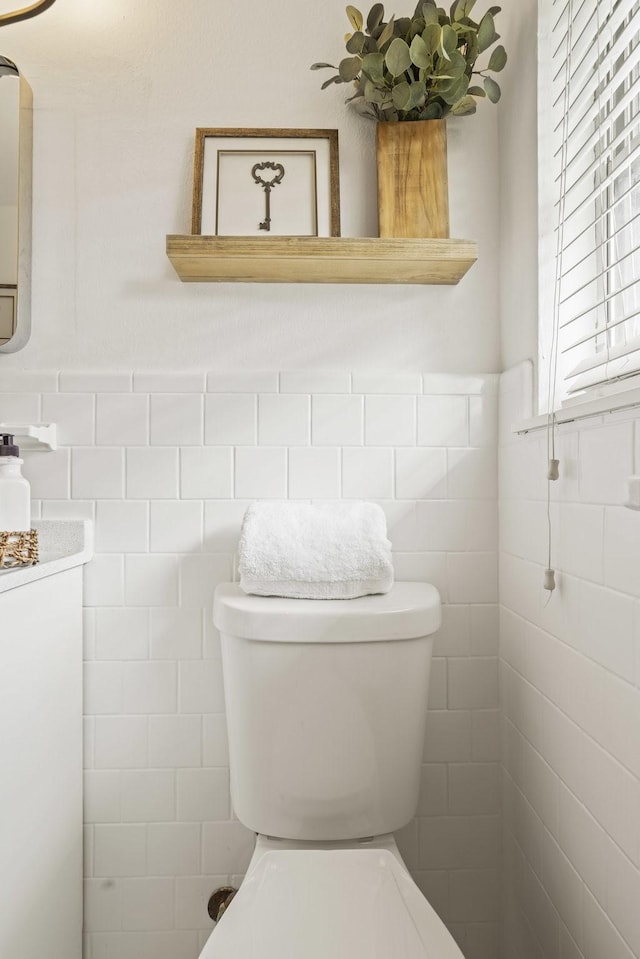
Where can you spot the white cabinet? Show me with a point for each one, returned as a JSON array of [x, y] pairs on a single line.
[[41, 766]]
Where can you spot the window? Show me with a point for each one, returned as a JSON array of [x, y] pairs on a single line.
[[589, 133]]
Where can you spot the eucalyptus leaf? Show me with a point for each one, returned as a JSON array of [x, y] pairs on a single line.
[[419, 67], [375, 16], [492, 89], [430, 14], [387, 33], [397, 58], [419, 53], [433, 111], [349, 68], [356, 43], [373, 67], [486, 32], [355, 17], [401, 94], [498, 59]]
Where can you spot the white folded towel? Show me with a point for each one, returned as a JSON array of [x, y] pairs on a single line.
[[330, 551]]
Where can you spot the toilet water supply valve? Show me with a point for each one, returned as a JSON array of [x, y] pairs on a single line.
[[219, 901]]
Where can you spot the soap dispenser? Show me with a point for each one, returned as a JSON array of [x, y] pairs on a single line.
[[15, 494]]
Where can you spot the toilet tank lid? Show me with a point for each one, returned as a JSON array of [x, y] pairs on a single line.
[[409, 610]]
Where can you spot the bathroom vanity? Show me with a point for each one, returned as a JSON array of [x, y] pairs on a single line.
[[41, 748]]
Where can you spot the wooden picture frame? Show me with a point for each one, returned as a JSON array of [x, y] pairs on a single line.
[[240, 174]]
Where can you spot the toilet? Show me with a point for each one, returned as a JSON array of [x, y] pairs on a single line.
[[326, 704]]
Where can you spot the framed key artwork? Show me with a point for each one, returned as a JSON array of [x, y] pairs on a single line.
[[266, 183]]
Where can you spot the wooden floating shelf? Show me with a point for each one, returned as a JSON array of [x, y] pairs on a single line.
[[294, 259]]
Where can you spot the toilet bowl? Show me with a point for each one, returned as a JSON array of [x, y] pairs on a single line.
[[338, 900], [326, 706]]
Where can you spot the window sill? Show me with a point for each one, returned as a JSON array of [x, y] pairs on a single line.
[[624, 398]]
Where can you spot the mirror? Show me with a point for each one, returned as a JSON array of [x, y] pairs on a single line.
[[16, 140]]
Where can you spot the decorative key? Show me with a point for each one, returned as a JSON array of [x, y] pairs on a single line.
[[267, 186]]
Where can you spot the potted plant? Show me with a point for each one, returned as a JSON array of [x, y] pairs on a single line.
[[410, 73]]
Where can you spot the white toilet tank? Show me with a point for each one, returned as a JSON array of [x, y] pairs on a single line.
[[326, 706]]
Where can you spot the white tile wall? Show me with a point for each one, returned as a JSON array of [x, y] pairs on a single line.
[[167, 466], [570, 692]]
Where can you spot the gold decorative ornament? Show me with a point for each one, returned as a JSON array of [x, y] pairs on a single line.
[[25, 13], [18, 549]]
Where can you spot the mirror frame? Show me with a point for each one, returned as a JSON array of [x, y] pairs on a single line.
[[22, 328]]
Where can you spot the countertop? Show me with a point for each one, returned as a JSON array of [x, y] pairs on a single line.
[[63, 544]]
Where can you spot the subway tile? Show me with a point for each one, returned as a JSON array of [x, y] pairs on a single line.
[[621, 532], [151, 580], [473, 789], [120, 850], [448, 736], [580, 538], [203, 795], [152, 473], [438, 683], [452, 639], [606, 460], [227, 847], [433, 790], [103, 581], [242, 381], [122, 526], [120, 741], [390, 421], [49, 474], [261, 473], [148, 795], [605, 628], [474, 896], [200, 686], [121, 633], [283, 420], [472, 473], [473, 577], [423, 568], [421, 474], [74, 415], [337, 420], [176, 418], [621, 722], [28, 381], [456, 383], [310, 381], [168, 382], [387, 383], [230, 419], [206, 472], [199, 576], [483, 420], [102, 905], [101, 796], [175, 741], [222, 522], [623, 882], [584, 841], [215, 751], [147, 903], [175, 527], [66, 509], [473, 683], [459, 842], [485, 735], [443, 421], [149, 687], [122, 419], [94, 382], [103, 688], [173, 849], [485, 629], [97, 473], [21, 409], [175, 633], [314, 473]]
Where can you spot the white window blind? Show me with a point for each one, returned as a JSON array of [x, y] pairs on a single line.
[[592, 186]]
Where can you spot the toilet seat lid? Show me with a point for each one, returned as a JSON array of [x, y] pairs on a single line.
[[344, 904]]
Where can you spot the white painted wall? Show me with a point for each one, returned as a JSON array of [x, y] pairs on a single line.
[[119, 89]]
